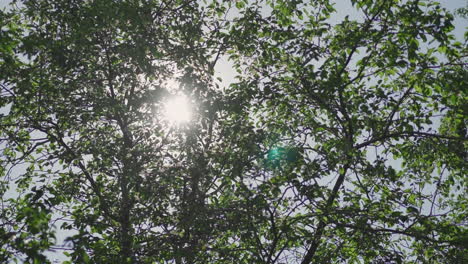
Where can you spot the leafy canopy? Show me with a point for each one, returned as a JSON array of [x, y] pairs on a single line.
[[341, 139]]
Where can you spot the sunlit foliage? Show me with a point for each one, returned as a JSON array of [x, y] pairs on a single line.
[[341, 139]]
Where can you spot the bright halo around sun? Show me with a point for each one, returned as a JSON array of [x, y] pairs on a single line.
[[177, 110]]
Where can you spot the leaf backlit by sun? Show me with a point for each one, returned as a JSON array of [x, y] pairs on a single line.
[[177, 110]]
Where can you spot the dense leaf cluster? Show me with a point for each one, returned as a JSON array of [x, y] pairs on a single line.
[[340, 140]]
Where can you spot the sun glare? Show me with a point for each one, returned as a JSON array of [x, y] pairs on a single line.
[[177, 110]]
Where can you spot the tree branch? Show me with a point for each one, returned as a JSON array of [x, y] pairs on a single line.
[[407, 134], [322, 224]]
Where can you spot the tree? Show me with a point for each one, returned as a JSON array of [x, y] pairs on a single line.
[[356, 96], [338, 142], [85, 117]]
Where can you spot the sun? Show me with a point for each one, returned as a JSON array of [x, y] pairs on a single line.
[[177, 110]]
